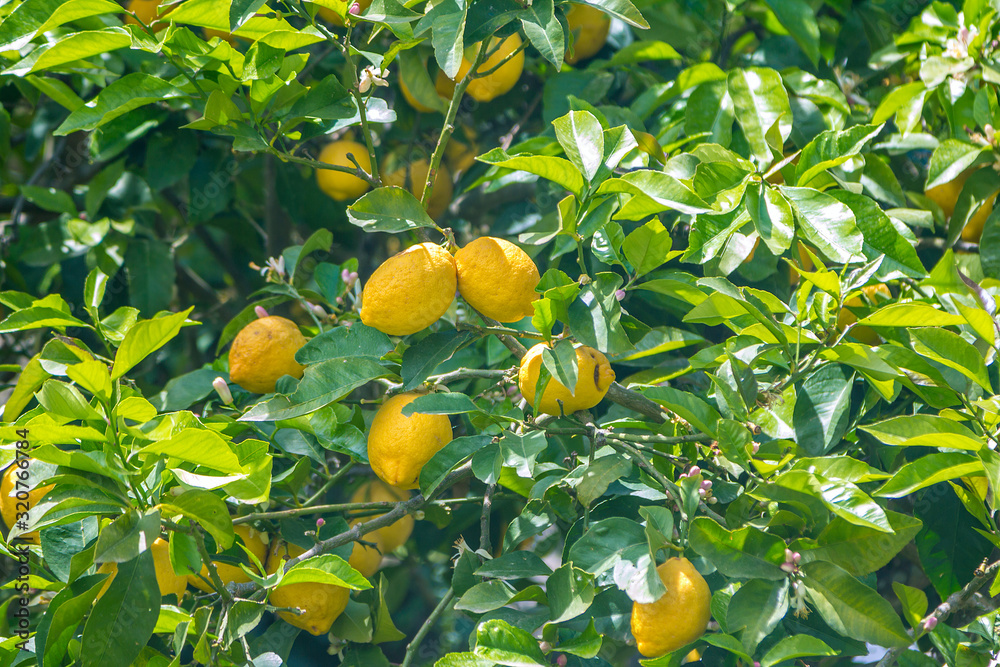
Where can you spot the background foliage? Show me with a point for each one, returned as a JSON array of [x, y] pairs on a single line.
[[707, 199]]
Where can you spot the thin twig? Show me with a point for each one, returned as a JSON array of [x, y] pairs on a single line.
[[484, 521], [411, 648]]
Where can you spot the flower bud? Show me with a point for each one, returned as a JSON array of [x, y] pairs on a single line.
[[695, 470], [561, 660], [930, 623], [355, 9], [788, 567], [545, 646], [222, 389], [755, 447], [320, 522], [788, 555], [706, 484], [796, 557], [620, 294], [260, 311]]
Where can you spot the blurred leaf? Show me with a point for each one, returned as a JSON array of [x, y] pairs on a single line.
[[388, 209]]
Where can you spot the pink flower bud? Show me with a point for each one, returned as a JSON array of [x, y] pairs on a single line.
[[345, 275], [340, 301], [260, 312], [796, 557], [788, 555], [930, 623], [561, 661], [222, 389], [702, 493], [755, 447], [788, 567], [620, 294], [695, 470], [756, 663], [320, 522], [355, 9], [706, 484]]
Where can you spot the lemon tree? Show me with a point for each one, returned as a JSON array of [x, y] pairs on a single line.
[[464, 333]]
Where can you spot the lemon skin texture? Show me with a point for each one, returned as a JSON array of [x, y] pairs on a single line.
[[444, 86], [399, 446], [679, 617], [337, 184], [846, 318], [169, 582], [393, 536], [9, 502], [410, 291], [492, 86], [593, 26], [497, 278], [594, 376], [254, 540], [148, 11], [264, 351], [322, 603], [443, 189]]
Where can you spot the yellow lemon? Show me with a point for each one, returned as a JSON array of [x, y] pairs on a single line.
[[169, 582], [148, 12], [263, 351], [593, 377], [399, 446], [337, 184], [461, 156], [589, 26], [393, 536], [946, 194], [322, 603], [444, 86], [846, 318], [334, 18], [365, 559], [973, 230], [410, 291], [414, 180], [254, 540], [16, 498], [495, 84], [497, 278], [679, 617], [805, 262]]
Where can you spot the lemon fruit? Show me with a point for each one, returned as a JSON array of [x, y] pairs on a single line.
[[399, 446], [973, 230], [444, 86], [410, 291], [365, 559], [461, 156], [589, 26], [264, 351], [393, 536], [497, 278], [414, 179], [846, 318], [593, 377], [322, 603], [148, 11], [490, 86], [254, 540], [679, 617], [333, 17], [169, 582], [11, 506], [946, 196], [337, 184]]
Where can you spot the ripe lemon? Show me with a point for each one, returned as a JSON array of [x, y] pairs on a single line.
[[365, 559], [264, 351], [846, 318], [679, 617], [169, 582], [497, 278], [337, 184], [973, 230], [334, 18], [444, 86], [491, 86], [946, 196], [10, 505], [410, 291], [590, 27], [322, 603], [148, 12], [399, 446], [461, 156], [593, 377], [254, 540], [393, 536], [414, 179]]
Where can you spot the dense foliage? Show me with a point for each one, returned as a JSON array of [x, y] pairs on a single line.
[[774, 217]]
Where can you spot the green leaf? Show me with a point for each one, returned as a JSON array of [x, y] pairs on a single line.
[[799, 19], [145, 338], [485, 597], [570, 592], [34, 16], [149, 264], [622, 9], [388, 209], [561, 363], [907, 315], [747, 553], [325, 569], [556, 169], [881, 237], [772, 217], [647, 247], [953, 351], [761, 102], [929, 470], [544, 31], [208, 510], [65, 611], [653, 192], [851, 608], [198, 446], [862, 550], [504, 644], [28, 382], [842, 498], [689, 407], [796, 646], [826, 223], [514, 565], [756, 609], [50, 199], [586, 645], [71, 48], [123, 619], [950, 159], [121, 96], [592, 480], [643, 51], [448, 458], [822, 409], [241, 10], [422, 359], [582, 138], [914, 603], [127, 536], [451, 403], [830, 149], [925, 431]]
